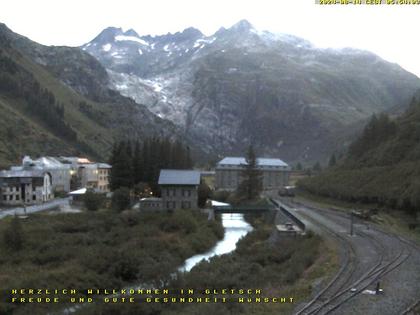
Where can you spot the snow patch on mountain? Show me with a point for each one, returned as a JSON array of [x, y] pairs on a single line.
[[107, 47], [121, 38]]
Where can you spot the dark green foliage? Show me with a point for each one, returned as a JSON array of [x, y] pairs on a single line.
[[377, 131], [121, 199], [101, 249], [93, 201], [382, 165], [204, 193], [141, 163], [122, 171], [251, 184], [17, 82], [220, 195], [13, 235], [317, 167], [333, 161], [125, 266]]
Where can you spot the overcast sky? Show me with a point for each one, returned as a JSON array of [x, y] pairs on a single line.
[[389, 31]]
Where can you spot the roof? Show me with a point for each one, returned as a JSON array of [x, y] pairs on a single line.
[[21, 173], [151, 199], [179, 177], [260, 161], [44, 162], [215, 203], [104, 165], [207, 173], [83, 161], [81, 191], [96, 165]]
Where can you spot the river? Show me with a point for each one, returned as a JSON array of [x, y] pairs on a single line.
[[235, 227]]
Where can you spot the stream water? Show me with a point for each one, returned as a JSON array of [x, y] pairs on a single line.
[[235, 227]]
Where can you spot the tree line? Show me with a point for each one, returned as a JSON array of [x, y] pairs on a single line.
[[382, 166], [134, 162], [16, 82]]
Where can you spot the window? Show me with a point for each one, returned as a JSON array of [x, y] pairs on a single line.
[[33, 197], [186, 205], [33, 188], [4, 197], [17, 197], [186, 193]]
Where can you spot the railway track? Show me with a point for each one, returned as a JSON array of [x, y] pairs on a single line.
[[346, 285]]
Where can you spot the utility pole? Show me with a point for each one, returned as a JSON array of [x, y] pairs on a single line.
[[351, 223]]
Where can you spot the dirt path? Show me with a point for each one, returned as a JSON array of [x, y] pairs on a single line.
[[367, 257]]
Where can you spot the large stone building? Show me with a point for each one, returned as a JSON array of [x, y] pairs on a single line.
[[19, 187], [179, 189], [275, 173], [61, 173]]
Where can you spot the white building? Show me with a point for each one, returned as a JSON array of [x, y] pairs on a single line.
[[60, 173], [19, 187], [95, 176], [275, 173]]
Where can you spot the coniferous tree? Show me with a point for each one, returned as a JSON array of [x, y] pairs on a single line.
[[251, 185], [333, 161], [317, 167], [121, 172], [141, 163], [137, 164]]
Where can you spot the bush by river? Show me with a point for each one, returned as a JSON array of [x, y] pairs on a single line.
[[257, 263], [97, 250]]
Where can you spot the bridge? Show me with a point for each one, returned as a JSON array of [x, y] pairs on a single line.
[[242, 209]]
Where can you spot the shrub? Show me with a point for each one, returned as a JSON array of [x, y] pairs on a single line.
[[126, 266], [203, 194], [13, 235], [92, 201], [121, 199]]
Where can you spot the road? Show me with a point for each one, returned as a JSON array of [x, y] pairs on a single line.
[[369, 256], [35, 208]]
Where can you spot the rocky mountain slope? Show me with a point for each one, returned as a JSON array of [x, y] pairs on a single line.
[[56, 100], [243, 85]]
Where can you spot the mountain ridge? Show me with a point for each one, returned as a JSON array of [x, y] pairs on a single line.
[[72, 83], [201, 83]]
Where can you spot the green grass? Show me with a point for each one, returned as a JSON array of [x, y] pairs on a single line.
[[393, 220]]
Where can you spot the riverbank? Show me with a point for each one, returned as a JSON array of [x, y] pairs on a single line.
[[282, 272], [101, 249]]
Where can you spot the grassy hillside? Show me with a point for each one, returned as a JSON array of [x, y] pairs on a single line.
[[382, 165], [55, 100]]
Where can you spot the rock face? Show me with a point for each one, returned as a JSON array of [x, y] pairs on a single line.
[[57, 100], [242, 85]]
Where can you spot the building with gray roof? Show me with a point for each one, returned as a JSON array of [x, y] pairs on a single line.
[[275, 173], [179, 189], [19, 187]]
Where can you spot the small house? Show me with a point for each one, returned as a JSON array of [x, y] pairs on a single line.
[[179, 189]]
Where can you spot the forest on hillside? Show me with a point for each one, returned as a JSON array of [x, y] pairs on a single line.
[[382, 165]]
